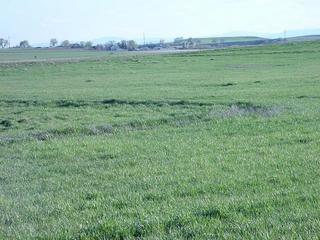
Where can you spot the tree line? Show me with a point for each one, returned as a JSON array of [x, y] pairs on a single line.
[[130, 45], [5, 43]]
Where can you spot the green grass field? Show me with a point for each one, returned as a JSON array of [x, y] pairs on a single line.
[[220, 144], [27, 55]]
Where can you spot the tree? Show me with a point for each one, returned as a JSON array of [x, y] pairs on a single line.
[[65, 43], [24, 44], [82, 44], [162, 43], [123, 44], [3, 43], [109, 45], [88, 44], [6, 43], [132, 45], [115, 47], [100, 47], [191, 43], [53, 42]]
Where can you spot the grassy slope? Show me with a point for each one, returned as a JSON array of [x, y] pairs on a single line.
[[217, 144]]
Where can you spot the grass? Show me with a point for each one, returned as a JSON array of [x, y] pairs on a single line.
[[211, 145], [22, 55]]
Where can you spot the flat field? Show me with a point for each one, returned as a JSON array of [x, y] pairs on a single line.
[[41, 55], [220, 144]]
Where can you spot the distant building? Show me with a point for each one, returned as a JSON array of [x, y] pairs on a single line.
[[75, 45]]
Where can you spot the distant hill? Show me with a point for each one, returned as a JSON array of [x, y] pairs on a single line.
[[138, 40], [289, 33], [214, 42], [238, 39], [304, 38], [227, 39], [297, 33]]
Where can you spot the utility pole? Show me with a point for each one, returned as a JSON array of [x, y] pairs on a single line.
[[284, 35], [9, 41], [144, 39]]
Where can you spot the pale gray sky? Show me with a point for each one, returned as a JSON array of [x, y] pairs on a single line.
[[40, 20]]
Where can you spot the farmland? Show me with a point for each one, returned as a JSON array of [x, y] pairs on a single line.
[[27, 55], [219, 144]]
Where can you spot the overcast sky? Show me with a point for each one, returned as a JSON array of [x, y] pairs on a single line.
[[40, 20]]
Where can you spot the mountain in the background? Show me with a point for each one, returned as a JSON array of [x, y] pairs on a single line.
[[296, 33], [289, 33], [138, 40]]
